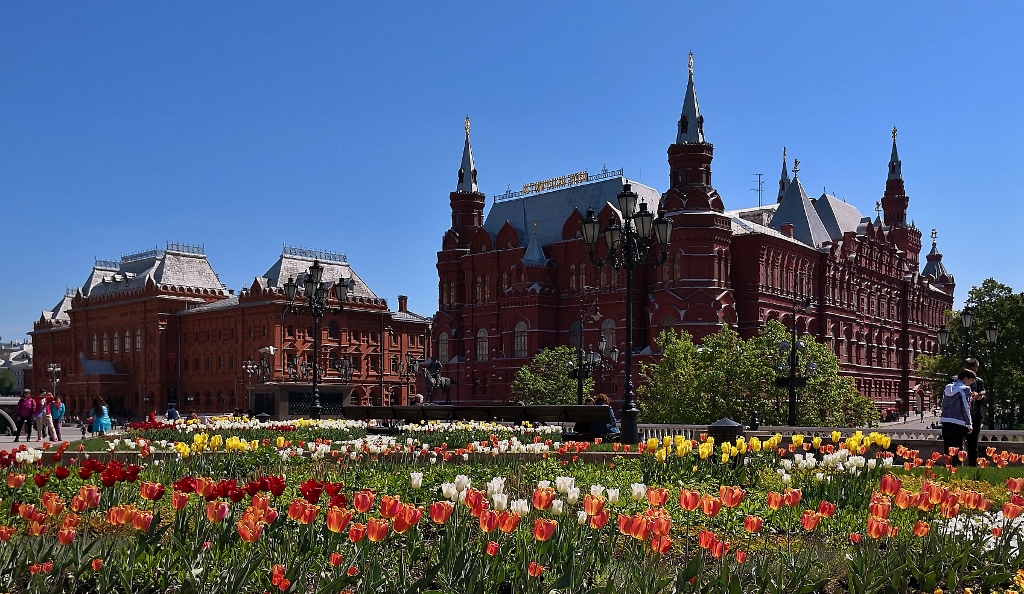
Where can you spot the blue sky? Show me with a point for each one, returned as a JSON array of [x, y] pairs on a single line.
[[337, 126]]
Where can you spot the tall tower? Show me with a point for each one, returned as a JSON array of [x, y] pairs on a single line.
[[467, 200], [689, 159], [894, 209], [784, 180]]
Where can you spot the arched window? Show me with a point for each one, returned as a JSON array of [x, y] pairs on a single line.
[[442, 348], [332, 331], [117, 342], [604, 277], [106, 344], [572, 277], [487, 289], [664, 275], [94, 341], [667, 322], [608, 332], [677, 267], [615, 278], [583, 278], [576, 335], [195, 366], [481, 345], [127, 341], [522, 350], [138, 339], [479, 290], [504, 281]]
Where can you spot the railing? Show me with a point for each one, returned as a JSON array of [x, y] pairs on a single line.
[[185, 248], [144, 255], [107, 264], [604, 174], [314, 254], [659, 431]]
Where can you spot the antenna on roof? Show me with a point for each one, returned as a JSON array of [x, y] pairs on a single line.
[[760, 187]]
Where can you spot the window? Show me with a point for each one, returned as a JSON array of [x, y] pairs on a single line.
[[106, 343], [608, 332], [677, 267], [442, 348], [309, 332], [332, 331], [481, 345], [576, 335], [195, 364], [94, 340], [127, 341], [220, 363], [604, 277], [504, 281], [479, 290], [583, 278], [208, 363], [487, 289], [117, 342], [138, 339], [572, 277], [290, 332], [521, 347]]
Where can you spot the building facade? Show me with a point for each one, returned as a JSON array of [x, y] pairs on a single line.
[[158, 328], [16, 357], [520, 279]]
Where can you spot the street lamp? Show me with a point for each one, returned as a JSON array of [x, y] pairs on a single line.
[[628, 245], [583, 365], [967, 319], [316, 293], [54, 370], [943, 335], [992, 332], [407, 371], [792, 350]]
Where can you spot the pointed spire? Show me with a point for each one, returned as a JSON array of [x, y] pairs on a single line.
[[534, 255], [895, 165], [691, 123], [784, 178], [934, 267], [467, 173]]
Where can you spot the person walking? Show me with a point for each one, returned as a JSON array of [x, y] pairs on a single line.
[[101, 417], [25, 408], [57, 410], [956, 413], [44, 422], [977, 411]]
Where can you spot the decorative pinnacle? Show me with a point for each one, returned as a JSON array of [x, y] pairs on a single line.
[[691, 64], [796, 164], [783, 152], [534, 227], [894, 133], [467, 125], [935, 235], [878, 207]]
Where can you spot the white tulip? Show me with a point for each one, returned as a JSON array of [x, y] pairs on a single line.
[[596, 490], [573, 496], [557, 507], [500, 502], [496, 485], [638, 491], [520, 506], [543, 484], [449, 491], [581, 517], [462, 482], [564, 483], [613, 496], [416, 479], [786, 479]]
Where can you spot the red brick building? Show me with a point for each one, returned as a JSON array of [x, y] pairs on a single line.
[[158, 327], [511, 283]]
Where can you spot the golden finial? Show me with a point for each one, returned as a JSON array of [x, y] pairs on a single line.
[[796, 166], [894, 133], [691, 63], [467, 125]]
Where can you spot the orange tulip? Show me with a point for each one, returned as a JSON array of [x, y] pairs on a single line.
[[53, 505], [389, 506], [719, 549], [879, 509], [217, 512], [6, 532], [26, 511], [492, 548], [855, 537], [356, 532], [248, 530], [710, 505], [905, 499], [661, 524], [1012, 510], [488, 520], [535, 569], [731, 496], [179, 500], [661, 544], [440, 511], [809, 519], [752, 524], [890, 485], [791, 497], [336, 559], [377, 529], [706, 539], [949, 510], [544, 529], [142, 520], [826, 508], [657, 496], [36, 528], [597, 521], [641, 528], [205, 487], [338, 519], [592, 504], [65, 536], [509, 520], [921, 528], [1014, 485], [997, 532], [15, 481], [689, 500], [774, 500], [97, 564], [90, 494], [877, 528], [741, 557], [70, 521], [362, 501], [542, 497]]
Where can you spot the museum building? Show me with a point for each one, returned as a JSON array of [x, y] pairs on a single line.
[[519, 279], [158, 327]]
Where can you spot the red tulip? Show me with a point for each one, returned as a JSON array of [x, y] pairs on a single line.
[[440, 511], [710, 505], [774, 500], [338, 519], [97, 564], [535, 569], [66, 536], [41, 479], [826, 509], [1012, 510], [752, 524], [689, 500], [377, 529], [741, 557], [179, 500], [389, 506], [791, 497], [855, 537], [731, 496], [543, 529], [921, 528], [598, 520], [336, 559], [809, 519], [408, 516], [492, 548], [151, 491], [657, 496], [15, 481], [542, 497], [661, 544], [362, 501], [877, 528], [61, 472], [356, 532], [890, 485], [508, 521]]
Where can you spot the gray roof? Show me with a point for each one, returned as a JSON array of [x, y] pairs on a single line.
[[231, 301], [467, 173], [294, 263], [934, 267], [796, 208], [895, 165], [408, 316], [551, 209], [691, 124], [744, 222], [178, 265], [59, 313], [784, 180], [837, 216], [534, 255]]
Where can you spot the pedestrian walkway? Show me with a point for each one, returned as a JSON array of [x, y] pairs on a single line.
[[68, 432]]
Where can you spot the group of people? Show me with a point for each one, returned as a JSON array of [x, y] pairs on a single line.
[[962, 412], [46, 411]]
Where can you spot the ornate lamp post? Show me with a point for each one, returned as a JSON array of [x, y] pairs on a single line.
[[316, 293], [967, 319], [791, 351], [628, 245], [584, 365], [407, 371], [54, 371]]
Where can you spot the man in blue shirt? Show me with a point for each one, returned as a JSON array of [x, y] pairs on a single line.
[[956, 412]]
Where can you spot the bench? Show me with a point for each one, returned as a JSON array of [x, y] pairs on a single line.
[[589, 415]]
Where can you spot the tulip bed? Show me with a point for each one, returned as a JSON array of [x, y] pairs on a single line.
[[293, 511]]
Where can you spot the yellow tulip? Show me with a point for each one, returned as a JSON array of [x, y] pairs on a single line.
[[836, 436], [725, 456], [755, 445], [661, 454], [816, 442]]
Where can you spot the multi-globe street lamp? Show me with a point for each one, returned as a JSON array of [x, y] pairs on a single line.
[[792, 351], [407, 372], [316, 302], [54, 371], [628, 245]]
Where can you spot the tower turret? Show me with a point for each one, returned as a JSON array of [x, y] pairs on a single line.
[[467, 201], [690, 157]]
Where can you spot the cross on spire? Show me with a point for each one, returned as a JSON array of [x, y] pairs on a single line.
[[691, 63], [935, 235], [796, 164], [467, 125], [894, 133], [878, 207]]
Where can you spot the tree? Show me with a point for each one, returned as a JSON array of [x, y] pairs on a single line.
[[1002, 365], [545, 379], [6, 382], [730, 377]]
